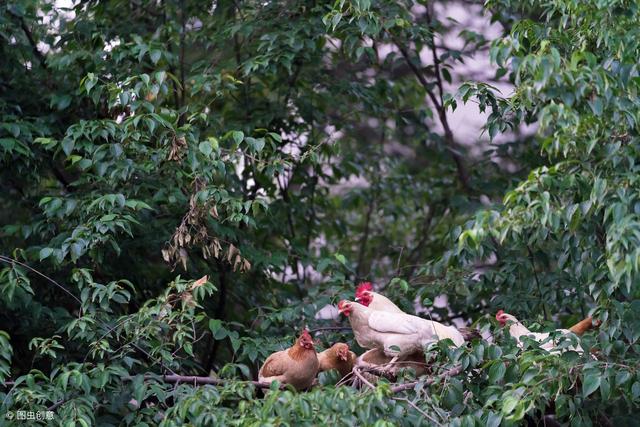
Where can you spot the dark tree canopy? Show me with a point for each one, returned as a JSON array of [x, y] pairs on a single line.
[[186, 185]]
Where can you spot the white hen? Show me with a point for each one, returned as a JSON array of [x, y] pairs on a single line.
[[517, 330]]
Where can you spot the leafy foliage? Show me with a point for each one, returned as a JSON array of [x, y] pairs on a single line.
[[188, 185]]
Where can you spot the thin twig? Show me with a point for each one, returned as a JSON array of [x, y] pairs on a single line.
[[113, 328], [183, 31], [414, 406], [177, 379], [32, 42], [196, 380], [330, 328], [463, 175], [357, 373], [56, 405], [535, 276], [365, 237], [406, 386], [10, 260], [398, 268], [345, 379]]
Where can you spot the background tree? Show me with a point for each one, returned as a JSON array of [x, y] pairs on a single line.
[[286, 151]]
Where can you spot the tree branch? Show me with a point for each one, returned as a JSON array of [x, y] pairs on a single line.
[[407, 386], [146, 353], [34, 45], [330, 328], [219, 314], [365, 238], [463, 175], [311, 220], [414, 406], [182, 47], [414, 254], [195, 380], [62, 179], [357, 373], [535, 276]]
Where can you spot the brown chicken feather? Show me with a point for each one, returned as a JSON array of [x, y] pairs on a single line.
[[337, 357], [470, 334], [297, 365], [584, 325], [376, 358]]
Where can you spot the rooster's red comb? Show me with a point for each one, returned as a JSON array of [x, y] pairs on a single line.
[[305, 334], [499, 313], [363, 287]]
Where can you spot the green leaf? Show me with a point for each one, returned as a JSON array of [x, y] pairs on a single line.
[[214, 142], [67, 146], [7, 143], [605, 389], [509, 404], [596, 106], [256, 144], [275, 137], [155, 55], [45, 253], [447, 75], [336, 20], [89, 82], [63, 102], [494, 352], [494, 419], [235, 344], [590, 382], [237, 136], [205, 148], [496, 372], [635, 390], [622, 377]]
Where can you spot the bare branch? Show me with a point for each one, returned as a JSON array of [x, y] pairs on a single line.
[[330, 328], [365, 237], [195, 380], [31, 39], [358, 374], [463, 175], [414, 406]]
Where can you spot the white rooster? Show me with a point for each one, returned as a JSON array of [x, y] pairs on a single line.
[[376, 301], [397, 334]]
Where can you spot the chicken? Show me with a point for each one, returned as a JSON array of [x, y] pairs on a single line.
[[584, 325], [376, 301], [518, 330], [337, 357], [298, 365], [397, 334], [375, 358], [373, 300]]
